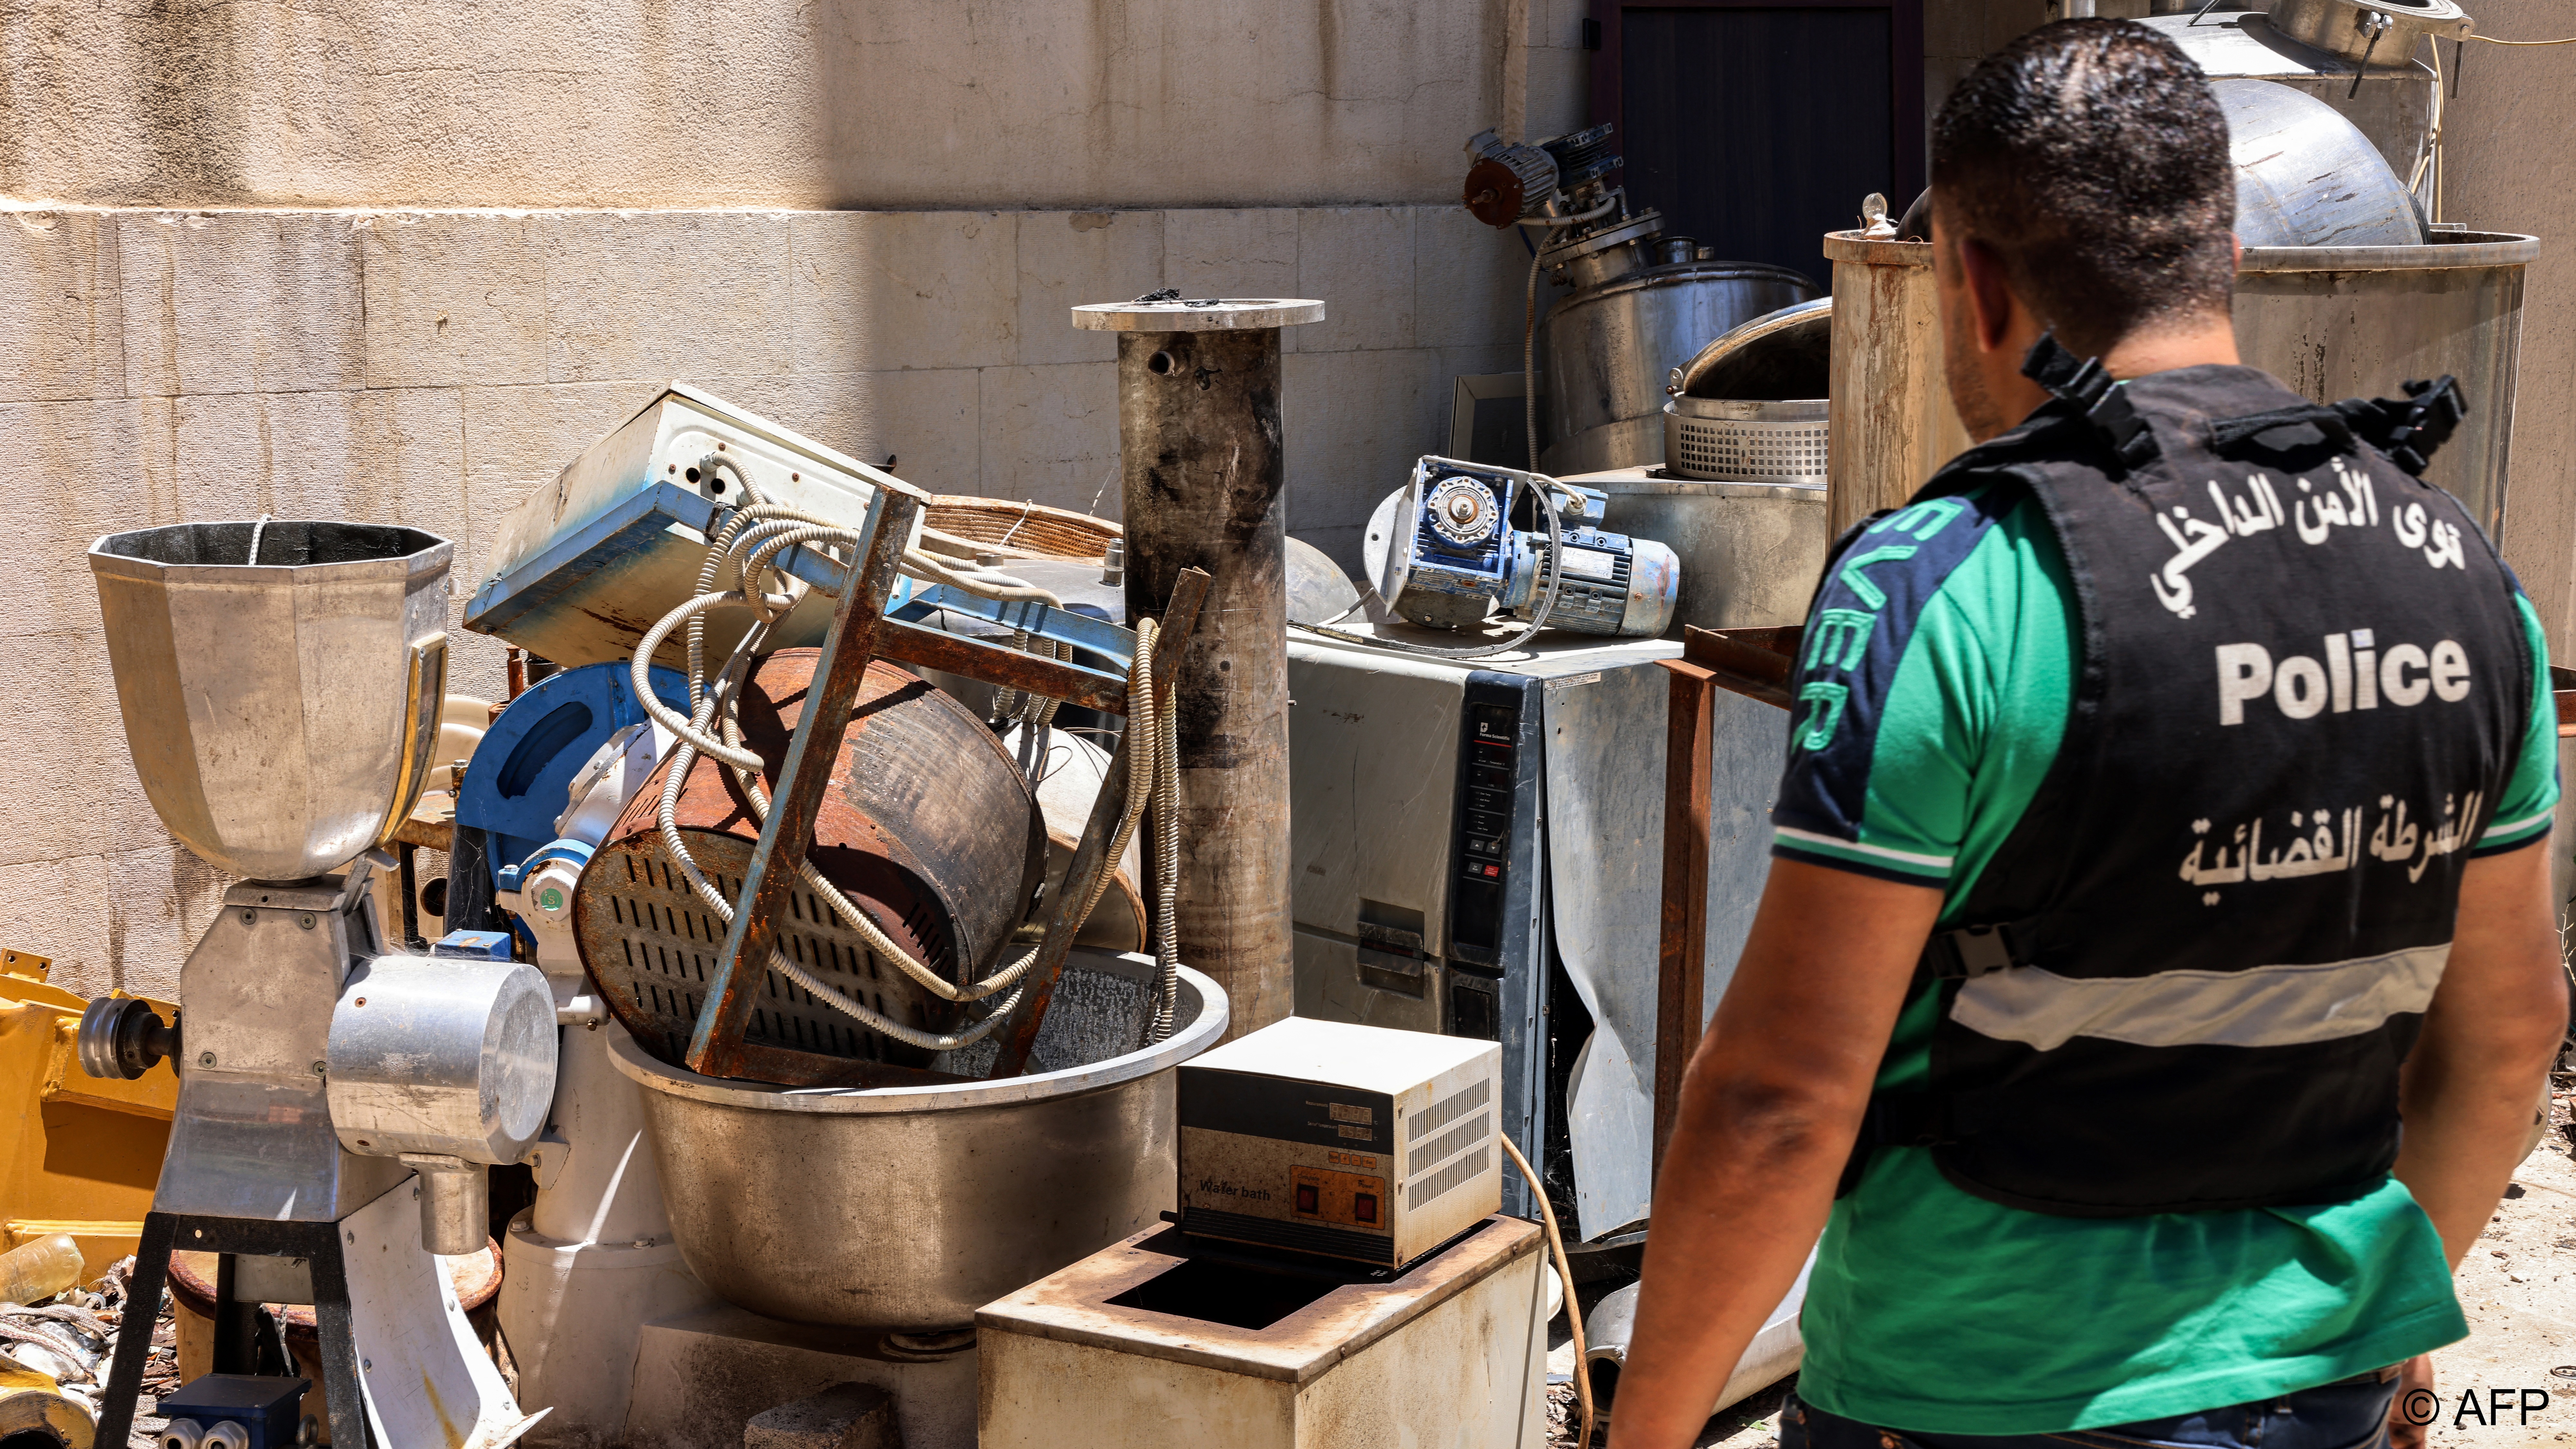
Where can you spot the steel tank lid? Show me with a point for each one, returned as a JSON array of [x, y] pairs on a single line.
[[1780, 354], [2244, 43], [2441, 250], [1204, 1014], [1673, 274]]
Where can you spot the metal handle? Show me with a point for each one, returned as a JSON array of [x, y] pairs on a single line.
[[424, 696], [2374, 24]]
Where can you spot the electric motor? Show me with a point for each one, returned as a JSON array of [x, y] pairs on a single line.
[[1442, 552], [1509, 180]]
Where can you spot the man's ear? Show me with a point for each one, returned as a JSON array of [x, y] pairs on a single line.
[[1991, 302]]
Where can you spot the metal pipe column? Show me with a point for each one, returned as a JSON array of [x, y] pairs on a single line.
[[1205, 487]]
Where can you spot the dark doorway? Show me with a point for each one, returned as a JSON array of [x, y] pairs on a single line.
[[1757, 128]]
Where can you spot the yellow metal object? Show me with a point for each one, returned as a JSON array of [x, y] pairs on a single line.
[[30, 1401], [77, 1155]]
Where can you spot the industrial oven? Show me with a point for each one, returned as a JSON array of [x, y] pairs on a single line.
[[1478, 850]]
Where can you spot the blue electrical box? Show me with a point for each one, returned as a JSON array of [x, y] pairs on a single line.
[[473, 945], [270, 1411]]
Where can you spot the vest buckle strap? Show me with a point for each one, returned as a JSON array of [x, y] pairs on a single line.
[[2409, 429], [1967, 953], [2083, 384]]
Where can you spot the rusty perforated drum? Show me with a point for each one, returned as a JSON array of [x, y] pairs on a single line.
[[928, 826]]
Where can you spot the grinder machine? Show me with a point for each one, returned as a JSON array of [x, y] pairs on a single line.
[[280, 684]]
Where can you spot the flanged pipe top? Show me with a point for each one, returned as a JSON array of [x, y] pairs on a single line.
[[1198, 314]]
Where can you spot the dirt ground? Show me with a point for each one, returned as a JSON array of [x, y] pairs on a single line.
[[2511, 1382], [2518, 1288]]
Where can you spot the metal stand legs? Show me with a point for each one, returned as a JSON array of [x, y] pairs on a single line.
[[236, 1325]]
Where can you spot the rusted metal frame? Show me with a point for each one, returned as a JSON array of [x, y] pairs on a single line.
[[1091, 857], [974, 659], [1755, 663], [715, 1049], [906, 643], [1681, 960]]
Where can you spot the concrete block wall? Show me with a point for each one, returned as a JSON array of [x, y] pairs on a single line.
[[432, 367], [859, 104]]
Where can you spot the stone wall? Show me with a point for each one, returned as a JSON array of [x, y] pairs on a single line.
[[430, 367], [841, 104]]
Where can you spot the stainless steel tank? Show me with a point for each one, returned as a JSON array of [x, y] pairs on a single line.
[[1750, 552], [907, 1208], [2332, 322], [2338, 322], [281, 711], [2306, 176], [1606, 351], [2392, 106]]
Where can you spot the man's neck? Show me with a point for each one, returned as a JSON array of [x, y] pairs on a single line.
[[2200, 343]]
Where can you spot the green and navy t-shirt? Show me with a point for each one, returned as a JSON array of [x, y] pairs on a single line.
[[1935, 1311]]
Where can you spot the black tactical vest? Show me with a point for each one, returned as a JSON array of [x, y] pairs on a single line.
[[2193, 968]]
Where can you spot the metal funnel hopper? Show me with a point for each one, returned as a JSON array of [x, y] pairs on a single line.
[[281, 714]]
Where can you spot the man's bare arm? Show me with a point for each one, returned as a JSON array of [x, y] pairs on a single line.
[[1770, 1108], [2494, 1024]]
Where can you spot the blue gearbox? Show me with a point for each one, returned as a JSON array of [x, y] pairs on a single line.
[[1442, 552]]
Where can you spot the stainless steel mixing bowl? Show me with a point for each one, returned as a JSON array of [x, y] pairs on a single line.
[[908, 1208]]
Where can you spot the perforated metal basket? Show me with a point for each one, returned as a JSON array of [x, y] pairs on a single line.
[[1744, 441]]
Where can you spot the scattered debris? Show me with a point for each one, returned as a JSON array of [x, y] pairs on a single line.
[[103, 1305]]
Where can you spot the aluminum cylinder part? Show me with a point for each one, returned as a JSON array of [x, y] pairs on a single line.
[[908, 1208], [441, 1056], [1607, 352], [282, 709], [455, 1203]]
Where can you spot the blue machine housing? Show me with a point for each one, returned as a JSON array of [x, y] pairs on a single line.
[[516, 784], [269, 1410], [1444, 553]]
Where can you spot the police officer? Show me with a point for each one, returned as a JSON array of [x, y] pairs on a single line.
[[2164, 821]]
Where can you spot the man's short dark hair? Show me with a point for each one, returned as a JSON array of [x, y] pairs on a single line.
[[2091, 157]]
